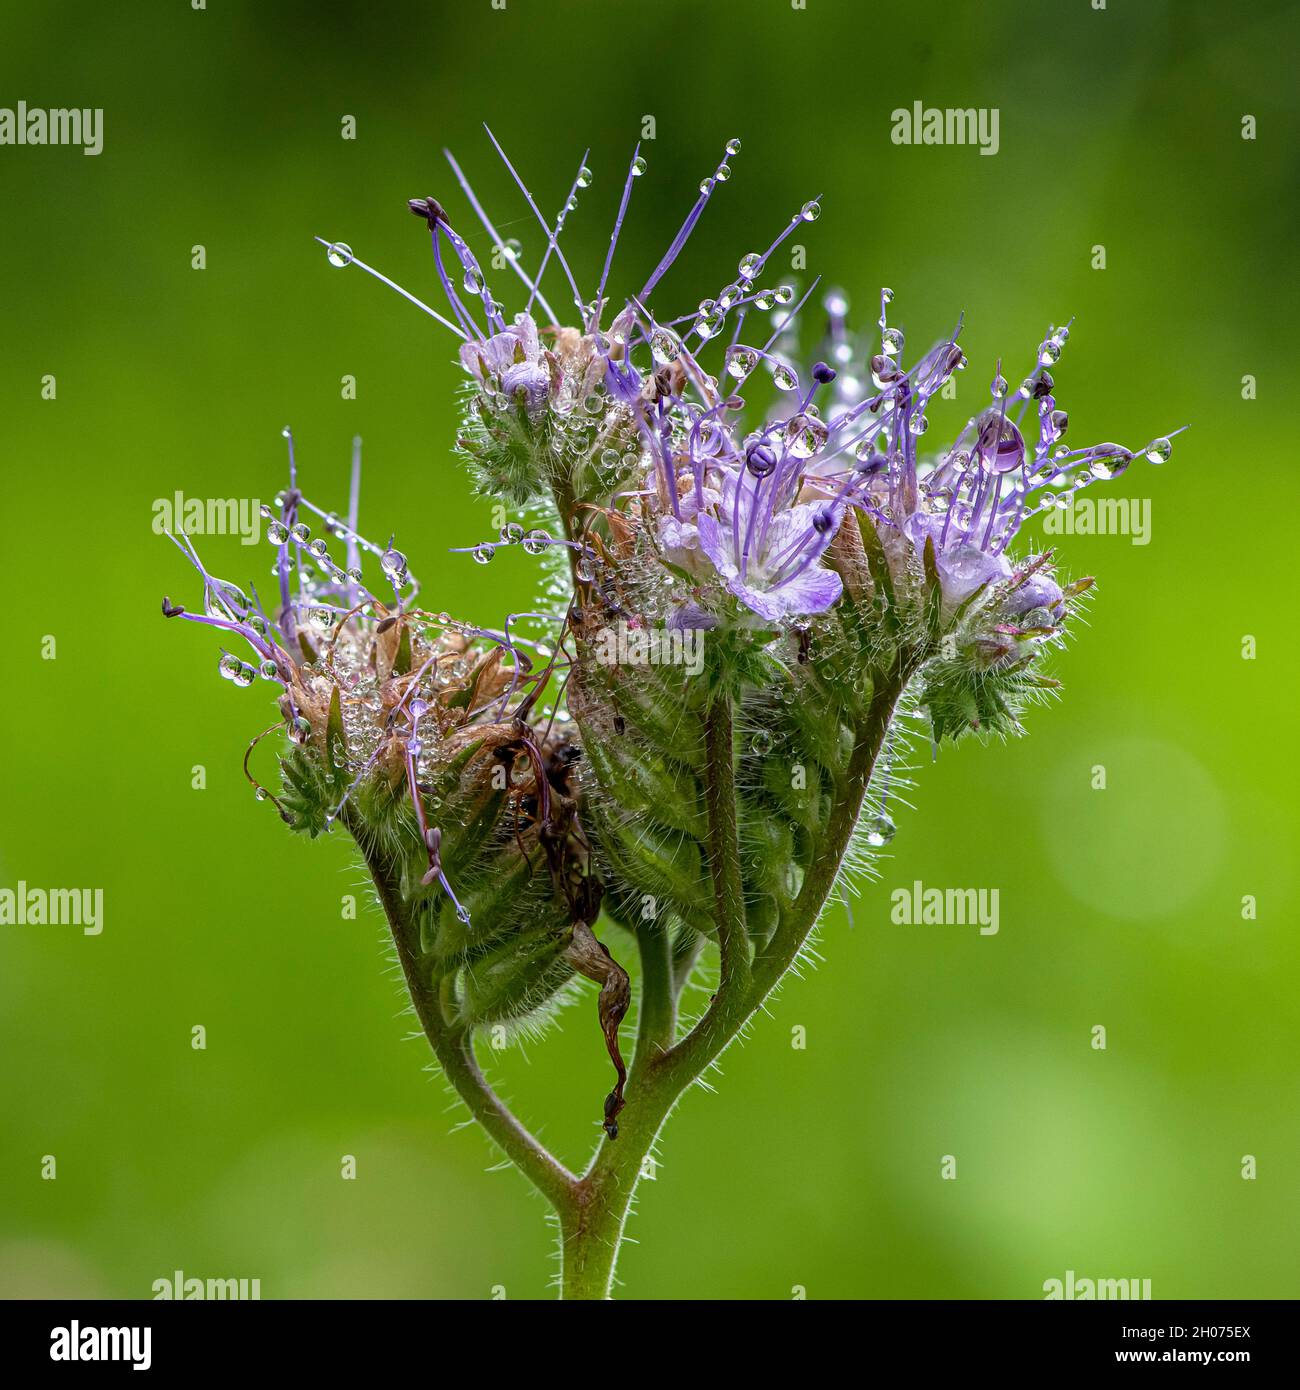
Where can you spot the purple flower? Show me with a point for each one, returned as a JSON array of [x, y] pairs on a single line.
[[643, 402], [1038, 591], [768, 555], [513, 361]]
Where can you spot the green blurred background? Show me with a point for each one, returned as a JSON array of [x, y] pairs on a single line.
[[818, 1167]]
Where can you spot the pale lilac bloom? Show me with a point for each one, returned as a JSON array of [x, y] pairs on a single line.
[[768, 557]]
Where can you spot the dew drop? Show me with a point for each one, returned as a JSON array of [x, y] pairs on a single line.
[[484, 552], [393, 564], [665, 346], [710, 325], [741, 362], [879, 831], [584, 177], [1109, 461], [811, 210], [339, 254], [1159, 450], [638, 167], [783, 378], [805, 435]]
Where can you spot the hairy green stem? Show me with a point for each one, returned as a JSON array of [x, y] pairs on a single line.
[[724, 844], [593, 1210], [454, 1048], [592, 1230]]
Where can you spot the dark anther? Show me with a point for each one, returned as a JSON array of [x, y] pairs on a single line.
[[170, 609], [885, 368], [823, 522], [760, 460], [1043, 386], [428, 208], [385, 625], [823, 373]]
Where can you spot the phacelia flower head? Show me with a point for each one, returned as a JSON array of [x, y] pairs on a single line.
[[701, 463], [423, 737]]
